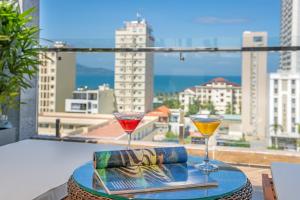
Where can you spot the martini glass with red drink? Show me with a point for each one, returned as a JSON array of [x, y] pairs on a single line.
[[129, 121]]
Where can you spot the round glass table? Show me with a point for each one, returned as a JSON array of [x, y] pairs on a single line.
[[232, 184]]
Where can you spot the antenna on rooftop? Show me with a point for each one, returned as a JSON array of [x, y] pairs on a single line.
[[138, 16]]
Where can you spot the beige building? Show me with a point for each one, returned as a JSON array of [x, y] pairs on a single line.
[[223, 94], [134, 71], [254, 86], [56, 79], [97, 101]]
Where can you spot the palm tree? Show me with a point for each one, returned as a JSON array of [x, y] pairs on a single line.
[[229, 108], [275, 127]]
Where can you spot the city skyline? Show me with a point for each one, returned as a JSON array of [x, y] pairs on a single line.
[[205, 20]]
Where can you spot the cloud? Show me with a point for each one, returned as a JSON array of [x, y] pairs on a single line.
[[218, 20]]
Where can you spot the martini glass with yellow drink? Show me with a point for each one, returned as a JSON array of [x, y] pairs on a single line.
[[207, 126]]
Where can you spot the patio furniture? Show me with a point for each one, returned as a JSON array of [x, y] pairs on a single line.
[[39, 169], [268, 187], [286, 178], [233, 185]]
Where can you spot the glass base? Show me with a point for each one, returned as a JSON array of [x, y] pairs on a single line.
[[206, 167]]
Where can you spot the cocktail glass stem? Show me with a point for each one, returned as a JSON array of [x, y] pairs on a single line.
[[206, 158], [129, 141]]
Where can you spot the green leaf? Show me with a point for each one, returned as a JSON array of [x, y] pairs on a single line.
[[18, 53]]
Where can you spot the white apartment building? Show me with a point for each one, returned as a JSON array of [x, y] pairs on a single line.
[[254, 86], [134, 70], [56, 80], [99, 101], [284, 101], [187, 97], [222, 93]]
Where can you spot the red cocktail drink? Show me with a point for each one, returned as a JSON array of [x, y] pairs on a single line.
[[129, 122]]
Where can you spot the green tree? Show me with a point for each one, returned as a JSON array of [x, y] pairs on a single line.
[[193, 108], [275, 128], [164, 96], [172, 103], [171, 135], [208, 106], [18, 53], [229, 108]]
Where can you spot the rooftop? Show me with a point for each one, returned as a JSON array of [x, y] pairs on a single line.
[[221, 80], [162, 111]]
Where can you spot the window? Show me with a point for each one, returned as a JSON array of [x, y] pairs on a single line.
[[42, 125], [78, 106], [293, 91], [257, 39]]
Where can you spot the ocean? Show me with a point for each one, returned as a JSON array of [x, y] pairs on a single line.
[[162, 83]]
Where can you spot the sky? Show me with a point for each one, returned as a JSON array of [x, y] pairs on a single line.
[[180, 23]]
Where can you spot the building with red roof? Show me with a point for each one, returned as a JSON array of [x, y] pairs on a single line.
[[162, 112], [223, 94]]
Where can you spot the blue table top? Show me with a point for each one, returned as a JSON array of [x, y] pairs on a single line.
[[229, 178]]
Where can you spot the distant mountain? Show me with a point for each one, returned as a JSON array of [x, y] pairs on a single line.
[[84, 70]]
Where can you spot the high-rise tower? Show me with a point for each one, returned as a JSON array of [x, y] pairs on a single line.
[[134, 70], [57, 75], [254, 86]]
